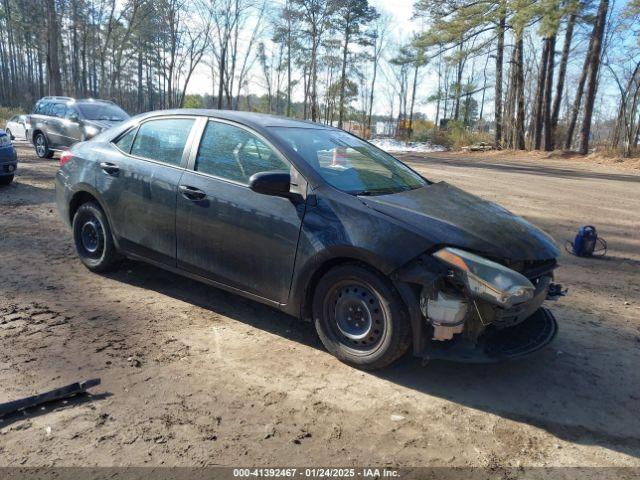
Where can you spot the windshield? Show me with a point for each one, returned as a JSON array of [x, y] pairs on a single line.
[[102, 111], [350, 164]]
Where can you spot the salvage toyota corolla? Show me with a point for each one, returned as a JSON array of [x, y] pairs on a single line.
[[318, 223]]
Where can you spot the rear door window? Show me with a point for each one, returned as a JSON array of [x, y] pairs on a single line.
[[162, 140], [58, 110]]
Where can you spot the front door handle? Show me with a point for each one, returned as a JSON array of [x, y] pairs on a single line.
[[110, 168], [191, 193]]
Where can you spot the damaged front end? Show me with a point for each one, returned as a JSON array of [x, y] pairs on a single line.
[[473, 309]]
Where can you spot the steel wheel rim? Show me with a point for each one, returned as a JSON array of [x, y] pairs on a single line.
[[355, 316], [92, 237], [40, 149]]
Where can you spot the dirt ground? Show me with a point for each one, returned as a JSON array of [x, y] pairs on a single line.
[[195, 376]]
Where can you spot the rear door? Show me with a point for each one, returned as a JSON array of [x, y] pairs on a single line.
[[22, 129], [38, 112], [138, 181], [54, 125], [225, 231], [15, 126], [40, 117]]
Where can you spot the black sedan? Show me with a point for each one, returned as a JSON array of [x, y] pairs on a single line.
[[315, 222]]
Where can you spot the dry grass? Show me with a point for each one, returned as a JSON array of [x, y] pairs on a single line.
[[7, 112]]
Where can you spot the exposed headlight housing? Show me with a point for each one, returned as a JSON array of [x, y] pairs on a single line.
[[488, 280]]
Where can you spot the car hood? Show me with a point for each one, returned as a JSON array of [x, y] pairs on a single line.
[[446, 215], [102, 124]]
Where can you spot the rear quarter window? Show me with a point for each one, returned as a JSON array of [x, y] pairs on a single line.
[[125, 142], [40, 108]]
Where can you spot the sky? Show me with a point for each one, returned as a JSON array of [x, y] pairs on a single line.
[[401, 12], [402, 26]]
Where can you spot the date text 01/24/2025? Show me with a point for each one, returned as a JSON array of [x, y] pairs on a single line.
[[315, 472]]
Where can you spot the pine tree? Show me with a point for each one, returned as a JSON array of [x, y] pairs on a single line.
[[350, 16]]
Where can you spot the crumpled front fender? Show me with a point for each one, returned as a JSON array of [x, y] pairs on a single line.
[[409, 280]]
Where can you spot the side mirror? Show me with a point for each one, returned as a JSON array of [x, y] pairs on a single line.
[[73, 117], [277, 184]]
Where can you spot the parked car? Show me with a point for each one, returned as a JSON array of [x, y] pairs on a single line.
[[315, 222], [478, 147], [57, 123], [8, 159], [16, 127]]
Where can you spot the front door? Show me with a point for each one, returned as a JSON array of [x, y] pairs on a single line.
[[71, 132], [139, 179], [227, 232]]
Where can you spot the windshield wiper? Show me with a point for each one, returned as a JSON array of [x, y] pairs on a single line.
[[364, 193], [382, 191]]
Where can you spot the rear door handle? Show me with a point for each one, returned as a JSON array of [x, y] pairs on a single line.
[[191, 193], [110, 168]]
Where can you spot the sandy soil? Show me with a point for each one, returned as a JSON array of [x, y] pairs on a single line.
[[195, 376], [594, 159]]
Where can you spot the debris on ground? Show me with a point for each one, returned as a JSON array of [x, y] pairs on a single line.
[[478, 147], [46, 397], [391, 145]]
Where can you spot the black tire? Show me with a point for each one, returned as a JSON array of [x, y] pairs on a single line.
[[6, 179], [41, 145], [360, 317], [93, 239], [11, 137]]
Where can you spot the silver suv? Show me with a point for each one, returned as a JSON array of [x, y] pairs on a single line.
[[59, 122]]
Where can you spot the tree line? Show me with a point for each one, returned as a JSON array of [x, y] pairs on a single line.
[[528, 74]]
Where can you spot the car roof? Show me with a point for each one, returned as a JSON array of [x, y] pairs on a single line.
[[92, 100], [250, 119], [68, 100]]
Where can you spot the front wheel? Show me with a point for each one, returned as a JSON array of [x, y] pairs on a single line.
[[42, 146], [9, 134], [360, 318], [93, 239]]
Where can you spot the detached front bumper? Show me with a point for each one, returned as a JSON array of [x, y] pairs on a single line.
[[450, 322], [496, 345]]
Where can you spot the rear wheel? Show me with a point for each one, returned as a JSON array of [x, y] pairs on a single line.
[[42, 146], [360, 318], [93, 239], [6, 179]]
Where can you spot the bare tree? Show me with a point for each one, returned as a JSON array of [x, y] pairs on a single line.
[[378, 43], [53, 63], [594, 64]]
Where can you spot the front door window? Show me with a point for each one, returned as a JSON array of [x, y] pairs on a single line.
[[233, 153]]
